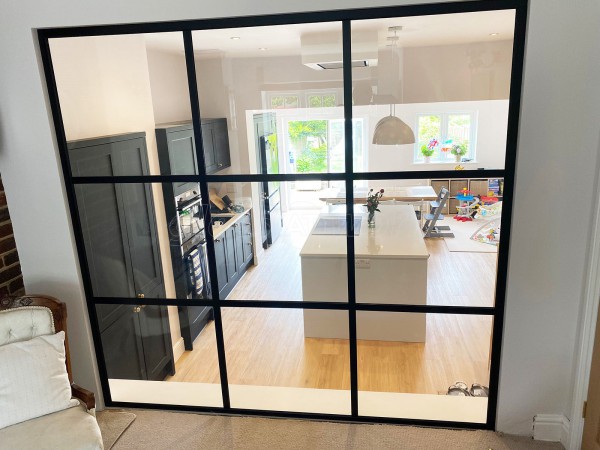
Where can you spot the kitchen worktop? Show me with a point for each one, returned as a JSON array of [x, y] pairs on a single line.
[[218, 230], [397, 235]]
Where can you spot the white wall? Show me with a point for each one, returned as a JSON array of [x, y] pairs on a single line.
[[556, 166], [169, 85]]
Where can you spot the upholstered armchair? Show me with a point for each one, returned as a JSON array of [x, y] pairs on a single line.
[[43, 408]]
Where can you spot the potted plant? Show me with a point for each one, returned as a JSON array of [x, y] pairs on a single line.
[[372, 205], [459, 150], [428, 150]]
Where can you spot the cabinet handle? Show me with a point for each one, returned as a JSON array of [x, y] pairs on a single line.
[[248, 234], [137, 309], [249, 243], [217, 240], [140, 296], [235, 225], [220, 165]]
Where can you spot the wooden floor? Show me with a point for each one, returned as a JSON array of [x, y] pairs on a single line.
[[267, 347]]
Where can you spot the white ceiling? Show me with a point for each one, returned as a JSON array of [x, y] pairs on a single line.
[[419, 31]]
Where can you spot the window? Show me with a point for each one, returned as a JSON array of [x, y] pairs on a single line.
[[284, 101], [445, 136]]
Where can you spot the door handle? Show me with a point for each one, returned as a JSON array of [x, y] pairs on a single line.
[[140, 296], [137, 309]]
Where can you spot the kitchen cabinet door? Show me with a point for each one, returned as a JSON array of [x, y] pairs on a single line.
[[246, 223], [221, 143], [210, 156], [230, 251], [177, 154], [156, 340], [122, 347], [239, 245], [220, 259]]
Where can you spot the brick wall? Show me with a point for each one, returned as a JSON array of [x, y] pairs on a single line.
[[11, 279]]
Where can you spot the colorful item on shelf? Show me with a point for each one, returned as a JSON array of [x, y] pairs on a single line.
[[489, 199], [447, 145]]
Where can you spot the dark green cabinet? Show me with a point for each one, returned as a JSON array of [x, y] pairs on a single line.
[[221, 262], [177, 150], [118, 223]]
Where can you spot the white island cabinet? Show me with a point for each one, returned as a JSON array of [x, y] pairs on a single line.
[[390, 267]]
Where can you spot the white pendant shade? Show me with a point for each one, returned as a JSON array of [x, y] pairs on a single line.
[[392, 131]]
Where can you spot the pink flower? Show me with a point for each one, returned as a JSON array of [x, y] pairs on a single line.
[[381, 191], [369, 204]]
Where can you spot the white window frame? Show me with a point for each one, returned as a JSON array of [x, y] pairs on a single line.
[[418, 158]]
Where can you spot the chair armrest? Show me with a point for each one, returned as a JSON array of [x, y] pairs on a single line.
[[87, 397]]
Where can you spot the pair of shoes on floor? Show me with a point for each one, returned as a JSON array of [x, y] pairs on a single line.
[[461, 389]]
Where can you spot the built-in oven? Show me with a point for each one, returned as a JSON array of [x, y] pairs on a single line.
[[192, 278]]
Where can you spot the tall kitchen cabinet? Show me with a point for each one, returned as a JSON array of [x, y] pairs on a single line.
[[118, 222]]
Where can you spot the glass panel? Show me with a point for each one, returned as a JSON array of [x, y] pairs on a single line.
[[148, 360], [115, 86], [275, 89], [143, 239], [408, 255], [288, 359], [444, 78], [271, 245], [423, 366]]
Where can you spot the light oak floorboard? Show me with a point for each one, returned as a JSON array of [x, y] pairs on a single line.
[[267, 346]]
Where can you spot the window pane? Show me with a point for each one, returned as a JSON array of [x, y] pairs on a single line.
[[329, 100], [410, 79], [459, 130], [314, 101], [429, 135], [412, 365], [276, 249], [142, 239], [280, 359], [257, 83], [147, 360], [115, 86]]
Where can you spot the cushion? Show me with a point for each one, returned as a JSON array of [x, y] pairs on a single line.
[[24, 323], [70, 429], [33, 379]]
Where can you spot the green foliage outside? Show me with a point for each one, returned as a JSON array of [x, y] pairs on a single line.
[[304, 134]]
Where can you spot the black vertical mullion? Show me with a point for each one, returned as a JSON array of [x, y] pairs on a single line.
[[210, 244], [512, 135], [349, 170]]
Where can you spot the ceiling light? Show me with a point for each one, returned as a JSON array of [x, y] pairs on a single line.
[[263, 49], [391, 130], [494, 34], [235, 38]]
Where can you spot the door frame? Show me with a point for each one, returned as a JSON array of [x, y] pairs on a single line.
[[587, 323]]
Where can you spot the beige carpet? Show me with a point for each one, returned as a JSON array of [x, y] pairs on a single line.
[[112, 424], [174, 431], [462, 242]]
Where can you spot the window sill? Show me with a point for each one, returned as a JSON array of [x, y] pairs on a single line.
[[423, 163]]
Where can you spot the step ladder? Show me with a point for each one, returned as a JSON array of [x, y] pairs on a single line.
[[430, 228]]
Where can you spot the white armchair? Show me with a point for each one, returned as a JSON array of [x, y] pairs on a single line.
[[74, 427]]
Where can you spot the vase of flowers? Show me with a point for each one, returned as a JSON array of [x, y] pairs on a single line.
[[373, 199], [428, 150], [459, 150]]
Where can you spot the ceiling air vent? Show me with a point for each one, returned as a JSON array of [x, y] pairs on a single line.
[[323, 51]]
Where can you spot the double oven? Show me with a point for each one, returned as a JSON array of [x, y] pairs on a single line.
[[190, 264]]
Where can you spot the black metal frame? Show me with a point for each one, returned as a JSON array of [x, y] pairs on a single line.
[[345, 17]]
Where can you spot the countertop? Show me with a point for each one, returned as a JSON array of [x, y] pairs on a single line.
[[405, 193], [397, 235], [218, 230]]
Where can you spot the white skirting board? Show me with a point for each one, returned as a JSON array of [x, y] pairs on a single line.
[[551, 427], [178, 349]]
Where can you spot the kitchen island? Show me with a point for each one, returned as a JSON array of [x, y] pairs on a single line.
[[390, 267]]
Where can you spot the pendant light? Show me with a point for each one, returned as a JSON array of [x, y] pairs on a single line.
[[391, 130]]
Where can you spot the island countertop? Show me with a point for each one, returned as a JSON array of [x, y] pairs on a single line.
[[397, 235]]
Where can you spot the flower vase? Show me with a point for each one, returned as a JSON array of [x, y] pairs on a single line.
[[371, 219], [458, 158]]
